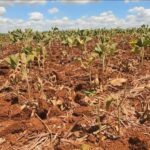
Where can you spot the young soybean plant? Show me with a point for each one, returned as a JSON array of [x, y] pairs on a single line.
[[13, 62], [139, 46], [104, 49], [82, 41], [24, 71], [90, 61], [68, 41], [16, 36]]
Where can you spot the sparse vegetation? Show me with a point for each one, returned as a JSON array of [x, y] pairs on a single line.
[[54, 82]]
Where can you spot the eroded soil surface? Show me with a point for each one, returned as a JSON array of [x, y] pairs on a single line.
[[71, 113]]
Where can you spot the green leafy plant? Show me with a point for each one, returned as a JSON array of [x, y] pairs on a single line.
[[103, 49], [90, 60], [138, 46], [13, 61], [82, 41]]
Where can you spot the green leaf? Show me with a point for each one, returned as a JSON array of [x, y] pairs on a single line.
[[27, 50], [30, 58], [146, 42], [140, 42], [89, 92], [133, 43], [70, 40], [13, 61], [98, 50]]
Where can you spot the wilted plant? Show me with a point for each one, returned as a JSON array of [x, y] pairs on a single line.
[[82, 41], [40, 86], [25, 71], [1, 48], [41, 54], [90, 61], [13, 61], [103, 49], [138, 46], [16, 35], [68, 41], [19, 62]]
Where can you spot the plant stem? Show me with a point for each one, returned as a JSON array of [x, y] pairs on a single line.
[[98, 114], [29, 88], [119, 104], [118, 113], [142, 55], [17, 92], [90, 74], [103, 63]]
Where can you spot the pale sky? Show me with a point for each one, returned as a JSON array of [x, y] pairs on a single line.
[[42, 15]]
